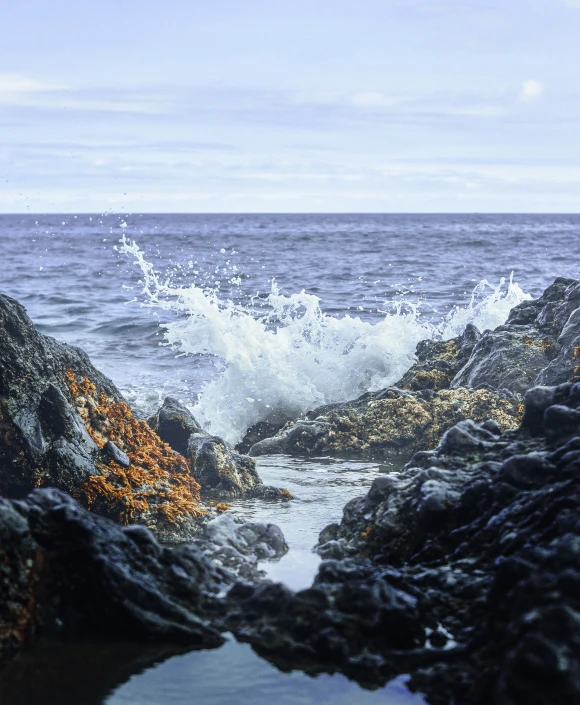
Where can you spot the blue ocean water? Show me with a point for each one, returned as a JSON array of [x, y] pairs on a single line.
[[352, 295]]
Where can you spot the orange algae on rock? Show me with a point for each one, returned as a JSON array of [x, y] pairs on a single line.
[[156, 485]]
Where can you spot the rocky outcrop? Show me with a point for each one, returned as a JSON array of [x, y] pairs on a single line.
[[391, 421], [63, 424], [69, 572], [474, 376], [536, 345], [463, 570]]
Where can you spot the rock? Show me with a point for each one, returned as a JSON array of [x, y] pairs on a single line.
[[536, 401], [462, 570], [116, 454], [68, 572], [223, 472], [240, 545], [63, 424], [390, 421], [259, 431], [439, 361], [535, 346], [174, 424]]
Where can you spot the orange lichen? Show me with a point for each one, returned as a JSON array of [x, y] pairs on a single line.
[[158, 480], [576, 352], [286, 495], [520, 412], [222, 507]]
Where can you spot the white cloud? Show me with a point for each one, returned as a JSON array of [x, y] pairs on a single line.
[[531, 90], [14, 83], [20, 90], [571, 3]]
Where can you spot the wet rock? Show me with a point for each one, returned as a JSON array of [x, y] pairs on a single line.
[[63, 424], [259, 431], [67, 572], [462, 570], [390, 421], [535, 346], [174, 424], [223, 472], [239, 545]]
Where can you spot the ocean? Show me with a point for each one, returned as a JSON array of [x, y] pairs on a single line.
[[250, 317]]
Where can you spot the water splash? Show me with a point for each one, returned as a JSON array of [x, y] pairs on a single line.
[[295, 357]]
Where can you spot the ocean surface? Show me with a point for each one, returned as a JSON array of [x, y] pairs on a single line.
[[246, 317]]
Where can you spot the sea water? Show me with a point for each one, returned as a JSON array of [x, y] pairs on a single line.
[[266, 316]]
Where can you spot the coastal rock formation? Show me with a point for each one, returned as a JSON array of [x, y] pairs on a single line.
[[473, 376], [391, 421], [536, 345], [63, 424], [69, 572], [463, 570]]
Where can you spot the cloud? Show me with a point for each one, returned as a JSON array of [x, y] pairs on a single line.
[[571, 3], [19, 90], [11, 83], [531, 90]]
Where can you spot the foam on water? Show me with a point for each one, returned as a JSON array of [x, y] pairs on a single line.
[[295, 357]]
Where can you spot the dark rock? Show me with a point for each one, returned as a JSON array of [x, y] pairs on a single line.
[[68, 572], [239, 546], [174, 424], [63, 424], [116, 454], [259, 431], [219, 469], [462, 571], [536, 401]]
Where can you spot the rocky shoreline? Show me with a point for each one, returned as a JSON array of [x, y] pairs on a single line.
[[462, 570]]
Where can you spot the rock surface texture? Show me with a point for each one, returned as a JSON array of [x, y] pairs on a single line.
[[66, 572], [463, 570], [474, 376]]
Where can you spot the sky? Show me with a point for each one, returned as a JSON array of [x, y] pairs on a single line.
[[309, 106]]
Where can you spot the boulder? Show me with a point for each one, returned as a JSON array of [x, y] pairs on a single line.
[[174, 423], [225, 473]]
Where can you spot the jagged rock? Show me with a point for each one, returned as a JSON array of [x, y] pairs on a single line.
[[69, 572], [439, 361], [535, 346], [63, 424], [174, 423], [240, 545], [259, 431], [223, 472], [390, 421], [463, 570]]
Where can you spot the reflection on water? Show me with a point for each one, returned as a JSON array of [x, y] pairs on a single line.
[[92, 674], [321, 487], [234, 674]]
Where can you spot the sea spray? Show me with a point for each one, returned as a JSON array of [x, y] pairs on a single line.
[[295, 357]]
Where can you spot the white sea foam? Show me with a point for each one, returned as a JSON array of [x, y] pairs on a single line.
[[296, 357]]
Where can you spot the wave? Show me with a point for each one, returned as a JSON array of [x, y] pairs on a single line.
[[296, 357]]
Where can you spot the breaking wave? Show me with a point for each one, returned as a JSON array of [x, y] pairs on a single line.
[[295, 357]]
